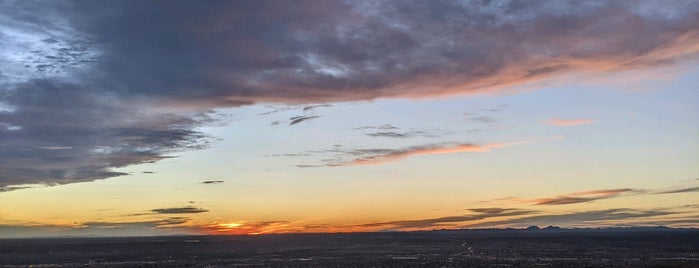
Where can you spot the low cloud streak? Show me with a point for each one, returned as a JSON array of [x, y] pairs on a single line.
[[179, 210], [570, 122]]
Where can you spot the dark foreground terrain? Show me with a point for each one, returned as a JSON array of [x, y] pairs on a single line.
[[467, 248]]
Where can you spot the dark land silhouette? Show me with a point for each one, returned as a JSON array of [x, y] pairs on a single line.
[[530, 247]]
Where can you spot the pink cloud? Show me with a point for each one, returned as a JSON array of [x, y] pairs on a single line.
[[570, 122]]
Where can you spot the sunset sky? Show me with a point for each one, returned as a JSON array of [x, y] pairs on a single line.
[[248, 117]]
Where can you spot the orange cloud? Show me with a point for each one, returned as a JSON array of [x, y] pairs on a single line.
[[570, 122], [395, 155]]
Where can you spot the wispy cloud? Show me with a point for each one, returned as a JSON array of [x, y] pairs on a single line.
[[570, 122], [373, 156], [493, 210], [580, 197], [383, 156], [391, 131], [449, 221], [609, 217], [678, 191], [298, 119], [589, 196], [212, 182], [295, 119], [313, 107], [165, 226], [179, 210], [381, 127], [485, 115], [393, 134]]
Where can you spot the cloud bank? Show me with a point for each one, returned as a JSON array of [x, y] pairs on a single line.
[[90, 86]]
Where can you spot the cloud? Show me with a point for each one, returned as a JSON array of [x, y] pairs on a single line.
[[482, 119], [391, 131], [680, 190], [449, 221], [491, 210], [381, 127], [121, 88], [373, 156], [73, 134], [298, 119], [179, 210], [390, 134], [212, 182], [313, 107], [393, 134], [570, 122], [382, 156], [564, 200], [308, 108], [581, 197], [287, 155], [165, 226], [483, 115], [619, 216], [590, 196]]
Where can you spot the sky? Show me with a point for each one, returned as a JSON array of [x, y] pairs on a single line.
[[137, 118]]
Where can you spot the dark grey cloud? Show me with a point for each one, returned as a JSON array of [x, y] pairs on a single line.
[[232, 53], [179, 210], [305, 108], [313, 107], [69, 133], [298, 119], [118, 83], [212, 182]]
